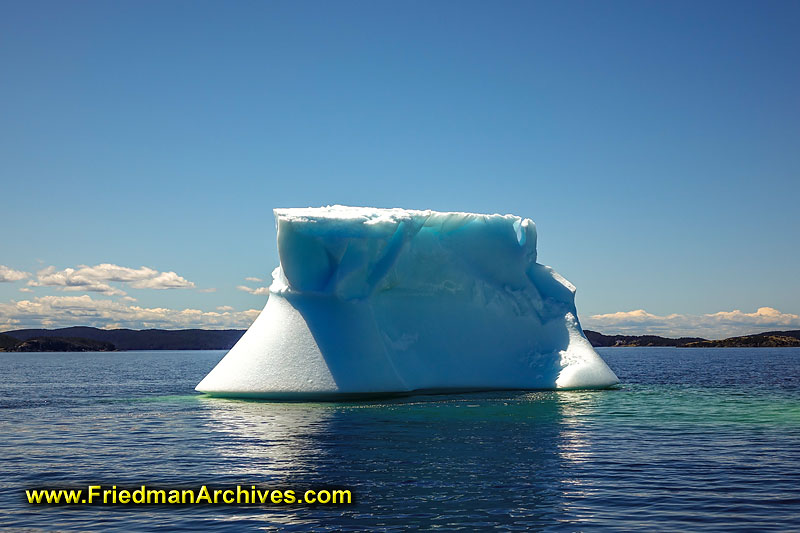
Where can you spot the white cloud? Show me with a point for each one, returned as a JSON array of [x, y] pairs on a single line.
[[638, 316], [62, 311], [256, 290], [9, 274], [713, 325], [763, 315], [25, 289], [253, 279], [70, 279], [165, 280], [97, 279], [224, 308]]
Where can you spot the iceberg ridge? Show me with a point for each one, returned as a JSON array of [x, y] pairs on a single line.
[[381, 301]]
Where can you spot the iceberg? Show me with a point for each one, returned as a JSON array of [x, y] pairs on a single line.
[[370, 301]]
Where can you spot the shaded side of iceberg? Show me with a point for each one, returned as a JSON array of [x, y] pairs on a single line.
[[380, 301]]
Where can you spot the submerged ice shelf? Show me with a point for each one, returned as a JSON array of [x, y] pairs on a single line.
[[381, 301]]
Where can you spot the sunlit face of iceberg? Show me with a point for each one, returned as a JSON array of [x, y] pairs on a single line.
[[376, 301]]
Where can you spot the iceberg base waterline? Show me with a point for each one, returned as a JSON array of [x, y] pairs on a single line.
[[375, 301]]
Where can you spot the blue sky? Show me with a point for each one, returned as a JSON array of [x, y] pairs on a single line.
[[655, 145]]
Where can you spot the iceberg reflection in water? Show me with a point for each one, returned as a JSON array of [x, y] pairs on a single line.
[[433, 458]]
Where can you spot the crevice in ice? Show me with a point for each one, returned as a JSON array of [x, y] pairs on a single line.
[[518, 230]]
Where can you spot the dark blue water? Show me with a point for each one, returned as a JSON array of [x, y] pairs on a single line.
[[696, 439]]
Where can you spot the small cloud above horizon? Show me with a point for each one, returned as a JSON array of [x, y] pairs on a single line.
[[254, 279], [254, 290], [8, 274], [717, 325]]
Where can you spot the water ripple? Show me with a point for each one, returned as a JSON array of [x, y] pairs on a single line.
[[694, 439]]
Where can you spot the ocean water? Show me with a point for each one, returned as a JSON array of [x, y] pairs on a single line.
[[694, 439]]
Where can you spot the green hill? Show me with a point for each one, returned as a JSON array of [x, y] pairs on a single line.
[[777, 339], [62, 344], [769, 339], [600, 340], [148, 339], [80, 338], [7, 342]]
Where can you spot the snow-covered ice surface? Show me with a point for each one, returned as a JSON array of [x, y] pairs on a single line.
[[381, 301]]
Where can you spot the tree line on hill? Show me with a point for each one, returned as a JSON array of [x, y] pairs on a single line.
[[87, 339], [769, 339], [80, 339]]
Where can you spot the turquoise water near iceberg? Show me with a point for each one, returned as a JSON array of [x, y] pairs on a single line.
[[695, 439]]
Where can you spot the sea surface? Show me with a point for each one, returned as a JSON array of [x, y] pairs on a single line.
[[694, 439]]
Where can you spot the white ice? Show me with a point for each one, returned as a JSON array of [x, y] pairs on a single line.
[[382, 301]]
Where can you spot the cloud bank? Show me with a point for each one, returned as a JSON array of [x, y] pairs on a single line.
[[98, 278], [711, 326], [63, 311]]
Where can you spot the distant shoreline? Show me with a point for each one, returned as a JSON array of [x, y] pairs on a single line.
[[768, 339], [83, 339]]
